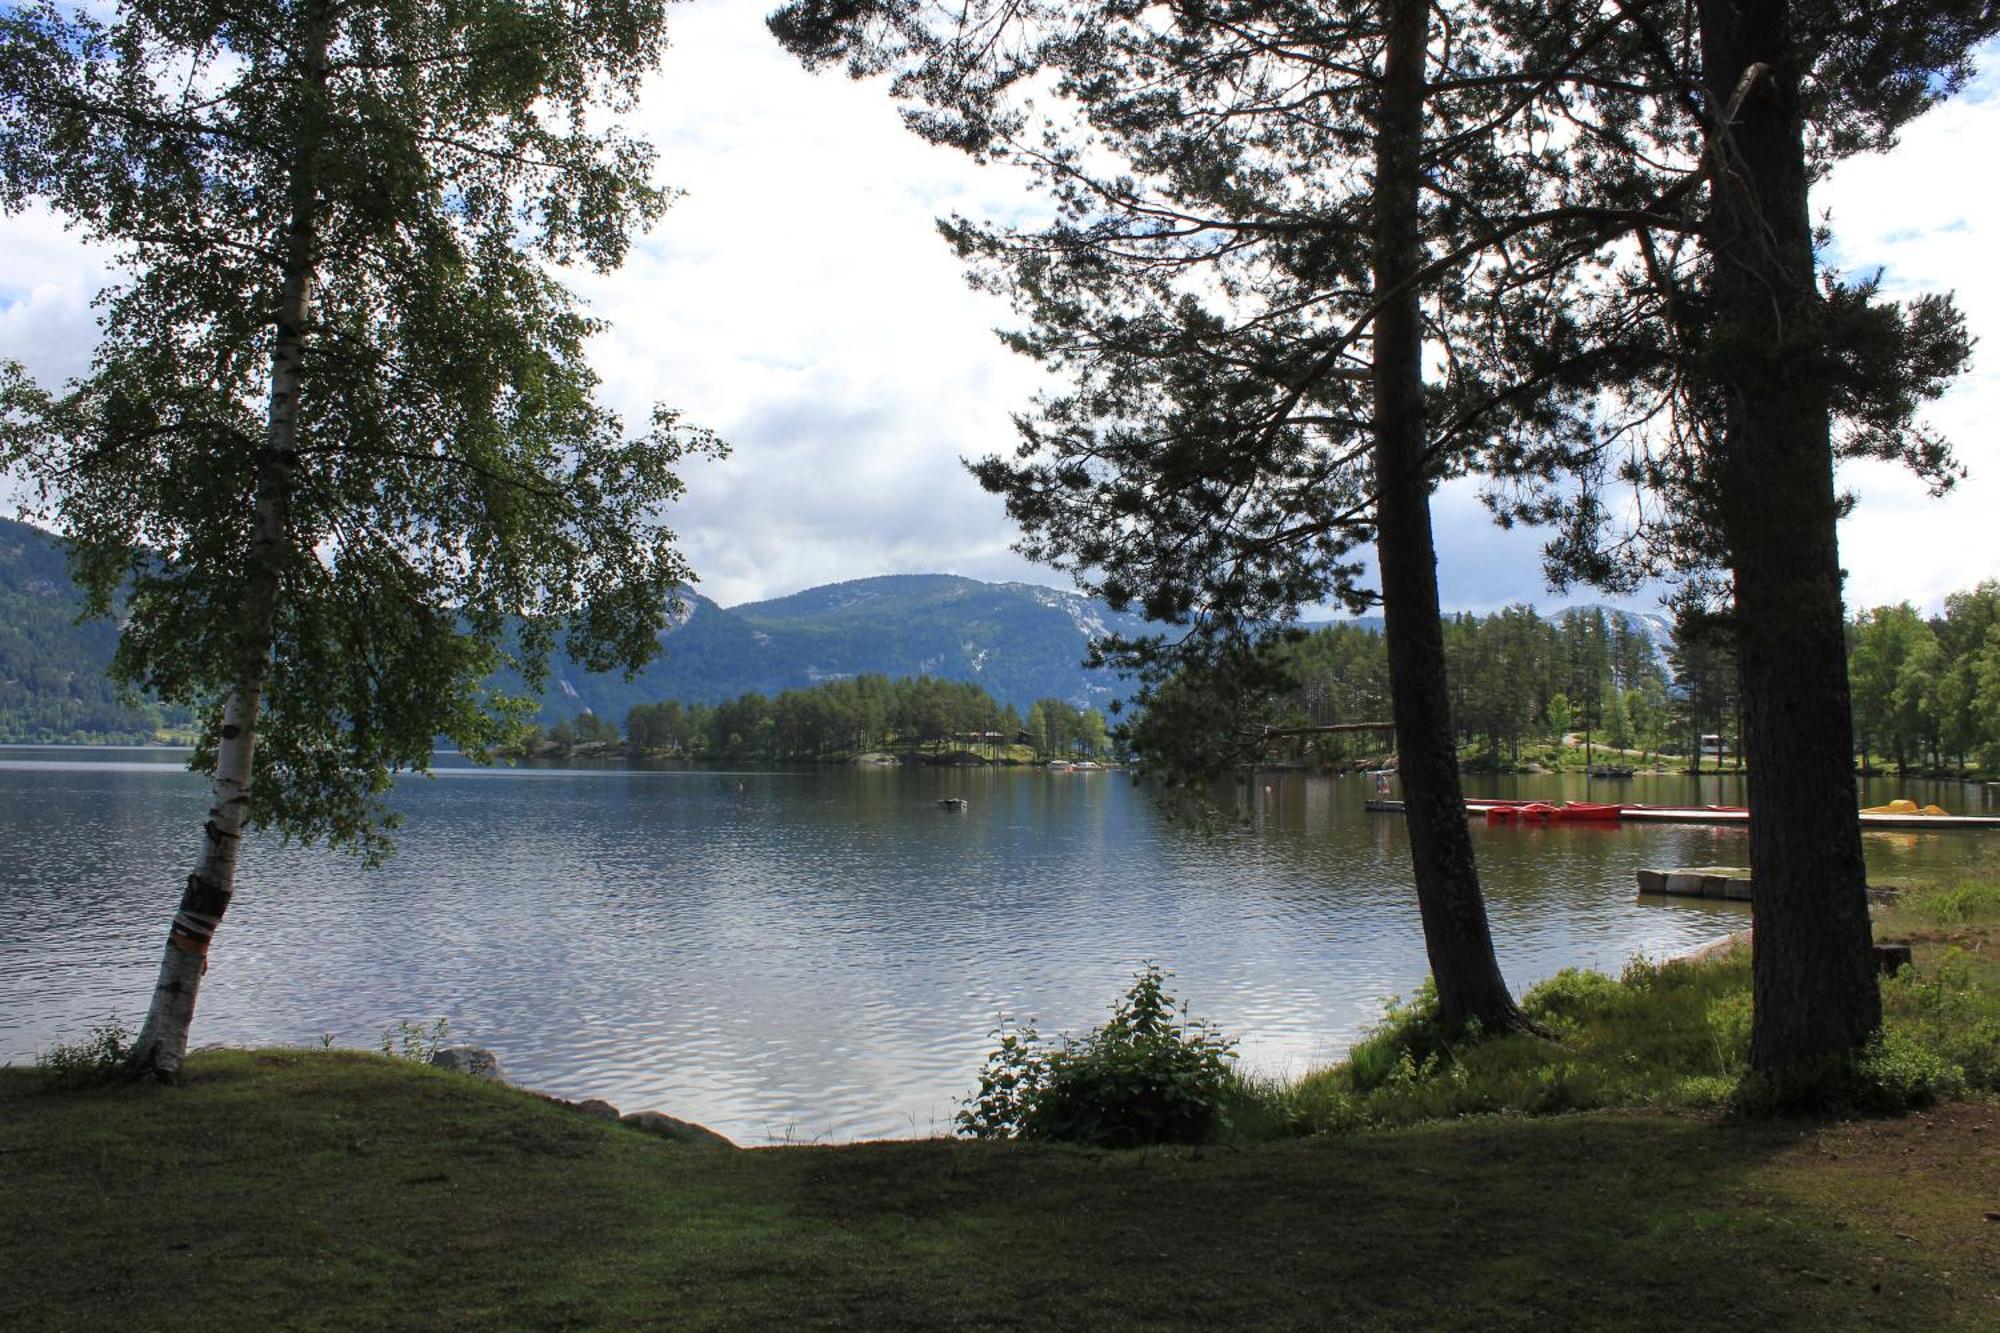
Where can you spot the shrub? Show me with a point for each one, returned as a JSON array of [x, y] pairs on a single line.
[[414, 1041], [1150, 1075], [1944, 1008], [1893, 1073], [1408, 1043], [99, 1057], [1565, 1000], [1962, 904], [1896, 1073]]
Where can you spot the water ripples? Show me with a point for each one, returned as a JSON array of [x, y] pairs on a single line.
[[804, 956]]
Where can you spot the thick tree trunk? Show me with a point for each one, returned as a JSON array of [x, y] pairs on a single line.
[[1815, 991], [1456, 936], [163, 1041]]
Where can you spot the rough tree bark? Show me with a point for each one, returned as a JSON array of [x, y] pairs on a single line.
[[1456, 936], [162, 1042], [1814, 981]]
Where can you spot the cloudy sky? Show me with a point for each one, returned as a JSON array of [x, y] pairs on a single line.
[[798, 301]]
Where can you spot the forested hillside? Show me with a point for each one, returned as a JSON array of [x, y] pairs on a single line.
[[1926, 689], [53, 685]]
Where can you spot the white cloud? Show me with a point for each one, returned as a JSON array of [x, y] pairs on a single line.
[[1928, 215], [798, 301], [46, 286]]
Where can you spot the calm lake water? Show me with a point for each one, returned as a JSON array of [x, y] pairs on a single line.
[[813, 955]]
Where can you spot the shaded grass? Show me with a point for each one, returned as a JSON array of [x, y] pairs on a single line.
[[340, 1190]]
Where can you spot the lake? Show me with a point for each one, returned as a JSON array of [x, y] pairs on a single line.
[[815, 955]]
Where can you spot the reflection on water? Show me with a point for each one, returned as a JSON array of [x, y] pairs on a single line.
[[815, 954]]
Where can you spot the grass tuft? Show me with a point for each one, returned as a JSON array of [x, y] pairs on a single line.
[[99, 1056]]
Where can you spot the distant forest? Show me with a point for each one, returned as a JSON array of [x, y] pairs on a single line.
[[1926, 691], [1527, 690], [844, 718]]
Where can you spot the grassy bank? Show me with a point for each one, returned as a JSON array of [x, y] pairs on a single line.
[[340, 1190], [1670, 1036]]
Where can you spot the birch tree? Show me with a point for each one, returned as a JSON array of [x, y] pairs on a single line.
[[339, 446]]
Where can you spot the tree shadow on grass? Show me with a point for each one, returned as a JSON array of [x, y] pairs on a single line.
[[1600, 1222]]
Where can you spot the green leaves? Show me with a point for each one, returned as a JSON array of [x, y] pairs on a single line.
[[1150, 1075], [456, 500]]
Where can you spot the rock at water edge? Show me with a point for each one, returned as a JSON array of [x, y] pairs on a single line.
[[476, 1061], [679, 1131]]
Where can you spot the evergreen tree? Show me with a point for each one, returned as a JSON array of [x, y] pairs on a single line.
[[1262, 212], [1745, 371]]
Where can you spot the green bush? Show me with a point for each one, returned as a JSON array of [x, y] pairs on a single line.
[[1962, 904], [1892, 1074], [1408, 1042], [1943, 1008], [100, 1057], [414, 1041], [1897, 1072], [1150, 1075], [1565, 1000]]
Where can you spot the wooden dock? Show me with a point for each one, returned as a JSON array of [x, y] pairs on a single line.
[[1732, 884], [1727, 882], [1723, 814]]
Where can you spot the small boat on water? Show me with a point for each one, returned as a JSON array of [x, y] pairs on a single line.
[[1547, 813], [956, 804]]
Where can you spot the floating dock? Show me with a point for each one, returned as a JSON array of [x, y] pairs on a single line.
[[1495, 811], [1732, 884], [1727, 882]]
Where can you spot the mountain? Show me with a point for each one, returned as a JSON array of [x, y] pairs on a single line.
[[1020, 641], [53, 685]]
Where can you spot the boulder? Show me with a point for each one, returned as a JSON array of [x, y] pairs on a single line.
[[476, 1061], [598, 1107], [679, 1131]]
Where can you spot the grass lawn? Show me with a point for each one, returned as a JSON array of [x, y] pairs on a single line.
[[340, 1190], [309, 1189]]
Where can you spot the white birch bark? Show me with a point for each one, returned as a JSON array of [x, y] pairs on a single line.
[[163, 1041]]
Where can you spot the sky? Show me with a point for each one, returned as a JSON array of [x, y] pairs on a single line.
[[798, 301]]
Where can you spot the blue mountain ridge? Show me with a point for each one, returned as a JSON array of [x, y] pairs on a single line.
[[1021, 641]]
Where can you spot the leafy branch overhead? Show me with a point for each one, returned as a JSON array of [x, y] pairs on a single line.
[[340, 438], [1201, 290]]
